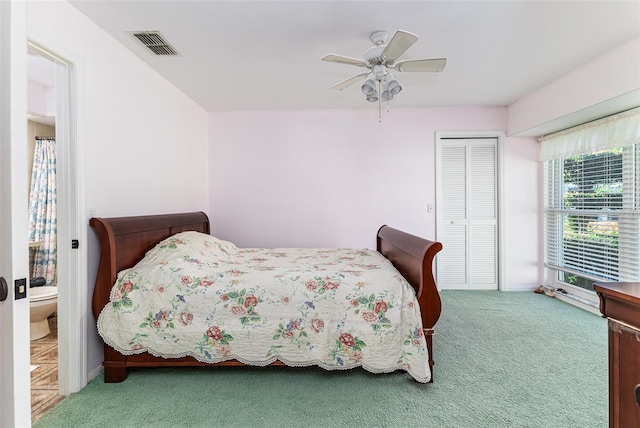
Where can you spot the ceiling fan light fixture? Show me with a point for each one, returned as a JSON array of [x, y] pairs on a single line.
[[394, 87], [386, 96], [368, 87], [372, 98]]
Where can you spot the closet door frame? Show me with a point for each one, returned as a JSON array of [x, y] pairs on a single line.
[[500, 136]]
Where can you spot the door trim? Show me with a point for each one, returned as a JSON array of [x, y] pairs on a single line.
[[15, 397], [500, 135], [72, 265]]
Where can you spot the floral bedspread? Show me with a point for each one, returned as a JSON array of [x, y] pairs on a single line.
[[196, 295]]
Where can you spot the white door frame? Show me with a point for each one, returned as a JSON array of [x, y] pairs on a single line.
[[15, 391], [72, 224], [500, 135]]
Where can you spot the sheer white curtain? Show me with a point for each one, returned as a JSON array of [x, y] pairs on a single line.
[[616, 131]]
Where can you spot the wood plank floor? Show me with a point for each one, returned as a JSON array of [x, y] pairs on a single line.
[[44, 379]]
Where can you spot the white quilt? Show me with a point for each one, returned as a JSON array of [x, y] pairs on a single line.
[[196, 295]]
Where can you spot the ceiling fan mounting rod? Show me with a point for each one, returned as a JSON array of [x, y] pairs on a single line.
[[379, 37]]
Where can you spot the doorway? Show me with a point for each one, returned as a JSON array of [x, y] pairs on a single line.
[[72, 224], [41, 167], [468, 211]]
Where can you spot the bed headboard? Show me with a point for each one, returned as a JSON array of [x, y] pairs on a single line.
[[125, 240]]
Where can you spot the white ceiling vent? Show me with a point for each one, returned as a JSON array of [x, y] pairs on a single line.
[[155, 42]]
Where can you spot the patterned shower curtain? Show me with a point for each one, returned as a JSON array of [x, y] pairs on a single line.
[[42, 210]]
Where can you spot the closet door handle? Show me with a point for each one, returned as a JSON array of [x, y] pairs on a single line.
[[4, 289]]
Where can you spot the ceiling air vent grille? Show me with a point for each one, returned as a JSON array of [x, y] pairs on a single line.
[[155, 42]]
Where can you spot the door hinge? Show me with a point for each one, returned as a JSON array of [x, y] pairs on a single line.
[[75, 244]]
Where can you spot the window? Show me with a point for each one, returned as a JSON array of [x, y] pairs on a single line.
[[592, 201], [592, 216]]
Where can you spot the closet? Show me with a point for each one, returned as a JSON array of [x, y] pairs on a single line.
[[467, 220]]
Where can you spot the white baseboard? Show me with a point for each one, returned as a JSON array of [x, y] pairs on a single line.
[[572, 299], [95, 373], [520, 288]]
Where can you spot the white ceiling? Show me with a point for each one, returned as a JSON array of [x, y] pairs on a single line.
[[252, 55]]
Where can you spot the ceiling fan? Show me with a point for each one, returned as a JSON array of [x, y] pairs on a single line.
[[380, 85]]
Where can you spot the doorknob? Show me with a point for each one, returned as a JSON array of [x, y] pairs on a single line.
[[4, 289]]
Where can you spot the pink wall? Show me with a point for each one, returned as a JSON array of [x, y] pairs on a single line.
[[607, 85], [331, 178], [523, 225], [143, 141], [41, 100]]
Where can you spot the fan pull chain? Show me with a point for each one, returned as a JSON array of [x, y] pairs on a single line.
[[379, 101]]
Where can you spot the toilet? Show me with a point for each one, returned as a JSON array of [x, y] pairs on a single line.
[[43, 301]]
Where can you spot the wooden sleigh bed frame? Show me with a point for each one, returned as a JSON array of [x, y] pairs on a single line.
[[125, 240]]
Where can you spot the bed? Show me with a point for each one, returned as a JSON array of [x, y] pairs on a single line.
[[129, 245]]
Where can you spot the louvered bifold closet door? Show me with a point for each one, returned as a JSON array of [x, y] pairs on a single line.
[[452, 209], [467, 214], [483, 227]]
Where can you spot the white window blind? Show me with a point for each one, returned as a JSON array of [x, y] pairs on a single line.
[[592, 208]]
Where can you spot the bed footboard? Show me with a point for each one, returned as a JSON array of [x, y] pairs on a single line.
[[413, 257]]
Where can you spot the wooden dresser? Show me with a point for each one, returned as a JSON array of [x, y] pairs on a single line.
[[620, 303]]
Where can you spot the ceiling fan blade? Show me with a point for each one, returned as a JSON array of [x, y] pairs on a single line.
[[399, 43], [341, 59], [348, 82], [429, 65]]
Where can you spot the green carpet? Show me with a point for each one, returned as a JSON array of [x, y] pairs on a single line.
[[503, 359]]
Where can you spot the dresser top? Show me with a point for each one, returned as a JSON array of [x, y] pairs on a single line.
[[627, 291]]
